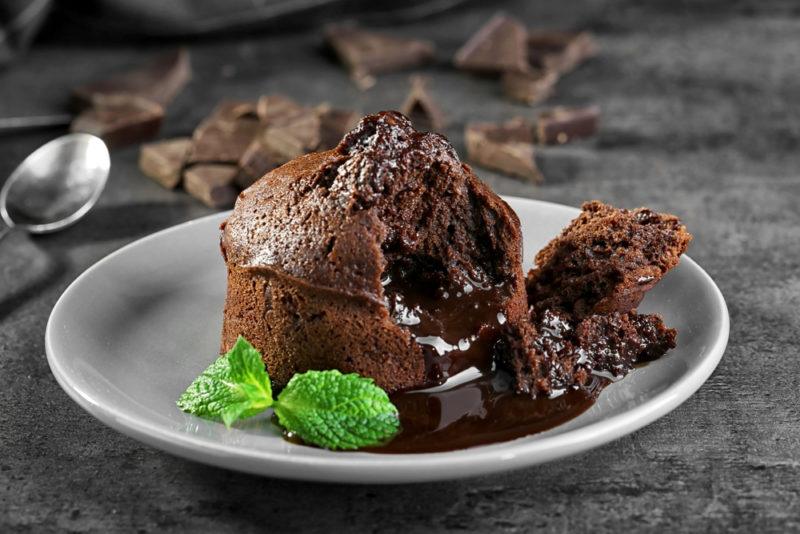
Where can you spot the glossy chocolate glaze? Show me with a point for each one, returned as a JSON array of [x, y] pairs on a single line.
[[455, 325], [482, 411], [458, 327]]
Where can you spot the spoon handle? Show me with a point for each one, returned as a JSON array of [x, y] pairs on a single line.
[[13, 124]]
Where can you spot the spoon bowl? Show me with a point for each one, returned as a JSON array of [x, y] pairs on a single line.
[[56, 185]]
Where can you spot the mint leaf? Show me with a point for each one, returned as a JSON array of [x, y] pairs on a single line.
[[248, 368], [235, 386], [324, 408], [209, 394], [236, 411], [336, 411]]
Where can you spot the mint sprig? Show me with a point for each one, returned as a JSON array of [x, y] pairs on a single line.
[[336, 411], [324, 408]]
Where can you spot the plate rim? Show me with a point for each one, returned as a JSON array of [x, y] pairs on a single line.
[[390, 468]]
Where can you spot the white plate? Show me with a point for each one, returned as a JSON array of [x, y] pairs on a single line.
[[132, 332]]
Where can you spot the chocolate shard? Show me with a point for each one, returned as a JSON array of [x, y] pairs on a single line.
[[288, 129], [159, 81], [506, 147], [211, 184], [273, 110], [560, 51], [423, 111], [285, 130], [254, 163], [163, 160], [560, 125], [367, 53], [229, 111], [531, 86], [499, 46], [225, 135], [334, 124], [120, 120]]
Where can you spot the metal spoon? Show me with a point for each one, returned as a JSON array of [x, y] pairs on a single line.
[[9, 125], [56, 185]]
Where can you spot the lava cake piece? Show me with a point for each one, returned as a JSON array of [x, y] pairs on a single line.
[[559, 353], [606, 260], [582, 297], [385, 256]]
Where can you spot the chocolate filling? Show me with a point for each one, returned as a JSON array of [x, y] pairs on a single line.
[[458, 324], [455, 323], [481, 411]]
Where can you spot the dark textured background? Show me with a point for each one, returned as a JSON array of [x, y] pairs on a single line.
[[701, 118]]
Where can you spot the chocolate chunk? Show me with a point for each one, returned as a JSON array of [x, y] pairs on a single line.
[[163, 160], [367, 53], [283, 143], [506, 147], [560, 51], [516, 130], [277, 110], [254, 163], [334, 124], [212, 184], [289, 129], [120, 119], [159, 81], [233, 110], [531, 86], [225, 135], [420, 107], [499, 46], [560, 125]]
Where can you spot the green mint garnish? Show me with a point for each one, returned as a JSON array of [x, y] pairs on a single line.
[[336, 411], [324, 408], [233, 387]]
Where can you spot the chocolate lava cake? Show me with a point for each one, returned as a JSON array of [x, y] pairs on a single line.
[[384, 256], [387, 257]]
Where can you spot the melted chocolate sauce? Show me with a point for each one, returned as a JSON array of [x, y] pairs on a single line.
[[479, 412], [457, 327]]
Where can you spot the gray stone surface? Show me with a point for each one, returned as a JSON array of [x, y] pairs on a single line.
[[701, 117]]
